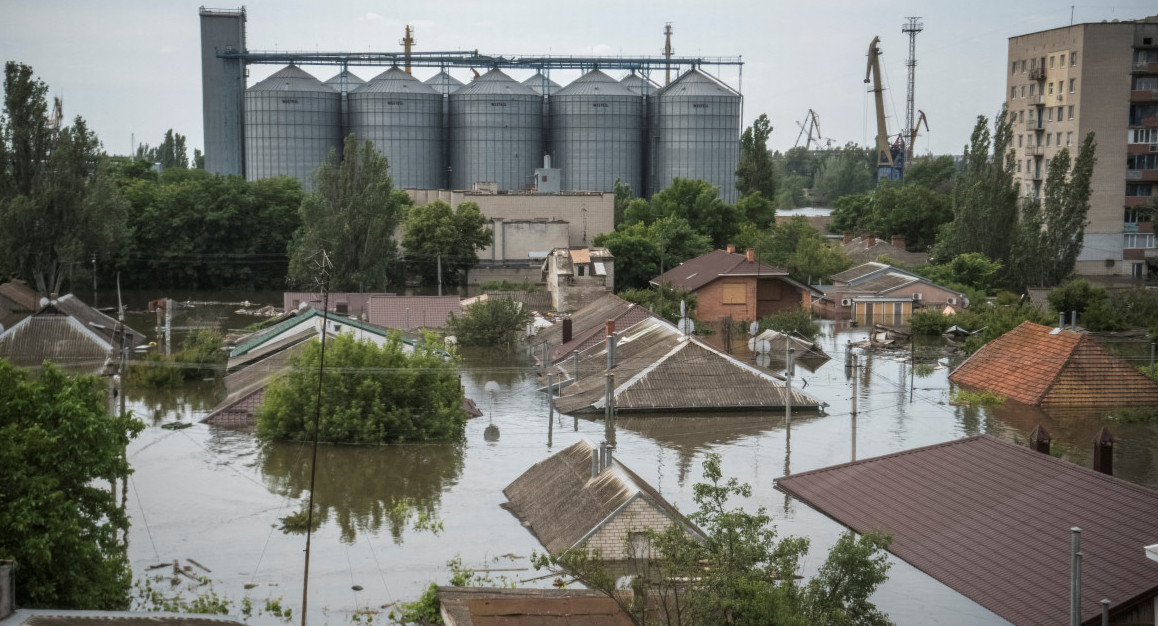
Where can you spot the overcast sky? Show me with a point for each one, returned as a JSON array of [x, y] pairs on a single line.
[[132, 68]]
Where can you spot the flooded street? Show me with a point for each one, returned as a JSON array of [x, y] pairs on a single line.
[[217, 496]]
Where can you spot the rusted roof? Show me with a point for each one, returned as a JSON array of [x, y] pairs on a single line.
[[581, 255], [19, 295], [695, 273], [586, 320], [559, 501], [497, 606], [1033, 365], [409, 312], [992, 521], [659, 369]]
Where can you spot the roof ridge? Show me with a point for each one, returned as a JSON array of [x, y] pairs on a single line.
[[882, 457]]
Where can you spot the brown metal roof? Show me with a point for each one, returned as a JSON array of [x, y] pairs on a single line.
[[16, 295], [659, 369], [598, 334], [559, 501], [586, 320], [582, 255], [99, 322], [992, 521], [496, 606], [409, 312], [53, 335], [695, 273], [1033, 365]]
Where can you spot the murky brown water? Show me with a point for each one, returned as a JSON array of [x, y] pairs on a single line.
[[217, 496]]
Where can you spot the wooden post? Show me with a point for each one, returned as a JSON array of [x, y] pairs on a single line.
[[853, 407]]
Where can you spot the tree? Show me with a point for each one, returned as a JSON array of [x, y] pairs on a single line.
[[936, 173], [815, 260], [845, 171], [436, 234], [663, 301], [756, 208], [171, 153], [744, 573], [198, 159], [370, 394], [1067, 203], [1076, 296], [57, 204], [755, 172], [623, 197], [971, 269], [914, 211], [353, 214], [58, 520], [699, 203], [488, 323], [644, 251]]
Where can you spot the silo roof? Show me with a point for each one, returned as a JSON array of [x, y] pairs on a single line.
[[395, 80], [291, 78], [638, 84], [495, 82], [352, 80], [595, 83], [696, 83], [443, 82], [536, 82]]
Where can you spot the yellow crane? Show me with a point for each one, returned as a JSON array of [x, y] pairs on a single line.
[[408, 43], [811, 125], [890, 163]]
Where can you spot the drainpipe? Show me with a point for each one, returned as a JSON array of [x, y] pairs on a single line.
[[1075, 576]]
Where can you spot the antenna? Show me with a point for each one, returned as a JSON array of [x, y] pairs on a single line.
[[911, 28]]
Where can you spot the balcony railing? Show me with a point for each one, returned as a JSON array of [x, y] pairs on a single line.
[[1037, 73], [1034, 125], [1035, 151]]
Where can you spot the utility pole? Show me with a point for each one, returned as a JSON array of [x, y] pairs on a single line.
[[788, 386], [94, 284], [439, 272], [667, 51], [854, 376], [911, 28], [323, 280]]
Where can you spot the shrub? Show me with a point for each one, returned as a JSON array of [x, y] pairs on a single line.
[[200, 355], [1075, 295], [994, 322], [1008, 298], [929, 323], [798, 322], [490, 322], [976, 398], [664, 301]]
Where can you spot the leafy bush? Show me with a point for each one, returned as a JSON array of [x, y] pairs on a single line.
[[1151, 371], [200, 355], [370, 394], [664, 301], [1076, 295], [490, 322], [976, 398], [929, 322], [1137, 415], [994, 322], [798, 322], [502, 285]]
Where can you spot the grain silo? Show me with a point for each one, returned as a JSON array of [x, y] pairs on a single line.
[[443, 83], [345, 81], [596, 129], [542, 85], [496, 133], [292, 121], [639, 85], [403, 118], [695, 133]]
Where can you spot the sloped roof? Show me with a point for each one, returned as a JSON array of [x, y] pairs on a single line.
[[408, 312], [859, 251], [659, 369], [609, 306], [262, 337], [562, 504], [598, 333], [781, 342], [21, 295], [859, 272], [291, 78], [53, 335], [595, 83], [443, 83], [1033, 365], [241, 412], [102, 324], [536, 84], [638, 84], [395, 80], [884, 282], [695, 273], [992, 521], [499, 606], [493, 83], [694, 83], [352, 81]]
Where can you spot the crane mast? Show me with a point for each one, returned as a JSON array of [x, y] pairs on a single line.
[[890, 163]]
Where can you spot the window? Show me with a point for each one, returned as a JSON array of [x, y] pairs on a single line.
[[1139, 189], [1051, 58], [1135, 241], [1048, 137], [1073, 59], [1061, 60], [1057, 140], [1032, 89], [1027, 162], [1023, 66], [1051, 89], [342, 308], [1144, 135], [1021, 115], [1019, 140], [1136, 270], [1050, 113], [1059, 114], [1047, 162], [1134, 216], [1012, 93], [1060, 84], [1069, 137], [1019, 162], [1142, 162], [1023, 91], [1073, 85], [582, 268], [1139, 112], [1070, 112], [1031, 115], [1033, 64], [1014, 70], [735, 293], [1144, 83]]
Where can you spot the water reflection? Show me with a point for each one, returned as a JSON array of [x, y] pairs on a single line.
[[186, 403], [359, 486]]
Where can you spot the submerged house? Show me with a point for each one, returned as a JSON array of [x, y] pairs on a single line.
[[808, 353], [658, 368], [585, 327], [17, 300], [491, 606], [1041, 366], [583, 497], [577, 277], [992, 521], [70, 334], [876, 293]]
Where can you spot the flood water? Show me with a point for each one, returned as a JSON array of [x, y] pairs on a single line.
[[217, 496]]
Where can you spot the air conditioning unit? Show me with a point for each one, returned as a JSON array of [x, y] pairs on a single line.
[[952, 300], [846, 302], [917, 296]]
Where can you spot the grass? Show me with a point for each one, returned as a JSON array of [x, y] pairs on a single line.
[[964, 397], [1138, 415]]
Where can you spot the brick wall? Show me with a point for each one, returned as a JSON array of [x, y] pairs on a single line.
[[710, 305], [611, 539]]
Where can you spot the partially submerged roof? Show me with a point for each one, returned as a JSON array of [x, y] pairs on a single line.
[[16, 295], [410, 312], [992, 521], [52, 335], [302, 323], [559, 501], [1037, 365], [658, 368], [695, 273], [588, 324], [779, 343], [64, 617], [104, 325], [495, 606]]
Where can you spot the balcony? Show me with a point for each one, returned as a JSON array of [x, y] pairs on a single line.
[[1034, 125], [1035, 151], [1142, 175], [1141, 148], [1142, 67], [1038, 100], [1133, 202], [1143, 95], [1037, 176], [1037, 73]]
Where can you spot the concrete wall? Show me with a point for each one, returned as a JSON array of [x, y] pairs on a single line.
[[611, 539], [515, 240], [588, 214], [223, 91]]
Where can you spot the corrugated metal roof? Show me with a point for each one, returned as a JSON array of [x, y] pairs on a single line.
[[860, 271], [352, 81], [498, 606], [239, 412], [860, 252], [885, 282], [259, 338], [395, 80], [22, 297], [65, 617], [781, 342], [409, 312], [291, 78], [659, 369], [639, 85], [992, 521], [586, 320], [559, 501], [495, 83], [695, 273], [52, 335], [102, 324], [598, 333], [595, 83], [694, 83], [443, 83], [537, 81], [1032, 365]]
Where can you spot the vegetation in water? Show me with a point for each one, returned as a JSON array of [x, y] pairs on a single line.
[[798, 322], [1134, 415], [426, 610], [924, 370], [166, 593], [965, 397], [488, 323], [663, 301], [201, 355]]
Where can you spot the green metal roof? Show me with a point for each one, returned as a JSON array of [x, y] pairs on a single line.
[[257, 339]]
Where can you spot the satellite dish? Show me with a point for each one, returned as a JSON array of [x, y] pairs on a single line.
[[753, 329], [686, 325], [763, 360], [491, 387], [759, 346], [491, 433]]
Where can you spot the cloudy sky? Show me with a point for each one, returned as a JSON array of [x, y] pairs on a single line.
[[132, 67]]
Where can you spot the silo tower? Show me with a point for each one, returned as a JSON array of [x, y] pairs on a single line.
[[695, 133], [292, 121], [496, 133], [596, 127], [403, 117]]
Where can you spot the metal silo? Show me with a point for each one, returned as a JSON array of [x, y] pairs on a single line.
[[640, 85], [403, 118], [542, 85], [496, 133], [696, 133], [597, 126], [292, 121], [346, 81], [443, 83]]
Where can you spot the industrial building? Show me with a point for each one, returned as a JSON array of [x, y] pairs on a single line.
[[494, 133], [1103, 78]]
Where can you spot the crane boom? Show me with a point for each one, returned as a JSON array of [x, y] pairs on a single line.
[[884, 151], [811, 123], [913, 134]]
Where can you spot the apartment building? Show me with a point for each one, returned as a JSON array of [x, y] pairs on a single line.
[[1101, 77]]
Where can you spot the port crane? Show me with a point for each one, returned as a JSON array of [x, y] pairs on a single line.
[[890, 156], [810, 125]]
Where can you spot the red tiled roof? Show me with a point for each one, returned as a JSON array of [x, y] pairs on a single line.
[[992, 521], [1032, 365], [409, 312], [697, 272], [239, 413]]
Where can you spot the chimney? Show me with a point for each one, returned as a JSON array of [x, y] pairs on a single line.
[[731, 248], [898, 241], [7, 589], [750, 254], [1039, 439], [567, 330], [612, 339], [1104, 452], [594, 462], [610, 326], [870, 240], [847, 237]]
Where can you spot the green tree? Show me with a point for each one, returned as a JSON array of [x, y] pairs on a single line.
[[972, 269], [436, 234], [914, 211], [936, 173], [198, 159], [352, 213], [755, 172], [623, 197], [1077, 296], [815, 260], [663, 301], [699, 203], [489, 323], [845, 171], [58, 520], [370, 394], [171, 153], [852, 213], [57, 203], [756, 208], [643, 252]]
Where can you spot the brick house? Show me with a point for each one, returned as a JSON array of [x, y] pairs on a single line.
[[737, 285], [879, 293]]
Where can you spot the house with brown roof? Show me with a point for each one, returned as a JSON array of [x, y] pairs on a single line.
[[585, 327], [876, 293], [737, 285], [411, 312], [582, 496], [992, 521], [17, 300], [70, 334], [494, 606], [1041, 366], [868, 248], [657, 368], [577, 277]]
